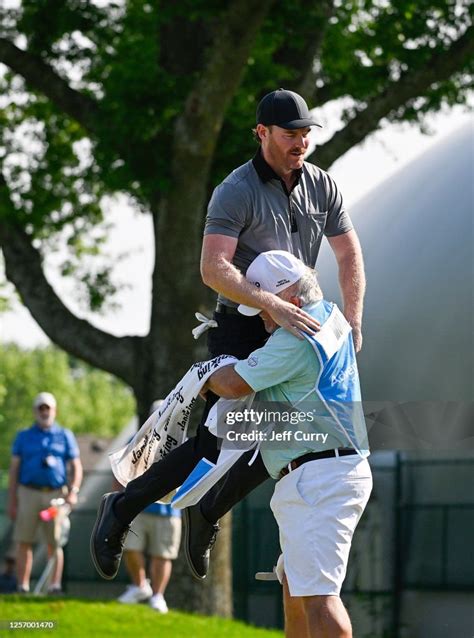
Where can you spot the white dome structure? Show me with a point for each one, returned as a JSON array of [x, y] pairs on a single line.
[[416, 234]]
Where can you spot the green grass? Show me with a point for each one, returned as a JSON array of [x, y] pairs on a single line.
[[109, 619]]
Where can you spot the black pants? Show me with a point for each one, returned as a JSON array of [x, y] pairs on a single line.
[[239, 336]]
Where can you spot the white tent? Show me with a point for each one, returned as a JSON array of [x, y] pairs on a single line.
[[416, 233]]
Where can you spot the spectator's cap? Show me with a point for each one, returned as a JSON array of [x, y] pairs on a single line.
[[45, 398], [285, 109], [272, 271]]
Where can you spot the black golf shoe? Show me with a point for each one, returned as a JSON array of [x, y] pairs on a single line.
[[199, 539], [108, 538]]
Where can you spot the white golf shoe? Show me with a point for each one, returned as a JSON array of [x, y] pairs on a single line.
[[135, 594], [158, 603]]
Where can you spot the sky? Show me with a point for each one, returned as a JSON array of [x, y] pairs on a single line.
[[361, 169]]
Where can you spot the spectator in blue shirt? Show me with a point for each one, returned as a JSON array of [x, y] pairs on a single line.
[[45, 465]]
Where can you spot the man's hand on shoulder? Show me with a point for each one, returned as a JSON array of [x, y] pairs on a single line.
[[356, 325], [357, 338], [292, 318]]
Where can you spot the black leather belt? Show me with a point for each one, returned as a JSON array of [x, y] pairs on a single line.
[[227, 310], [41, 488], [313, 456]]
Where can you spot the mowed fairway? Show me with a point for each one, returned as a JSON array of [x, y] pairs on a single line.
[[110, 619]]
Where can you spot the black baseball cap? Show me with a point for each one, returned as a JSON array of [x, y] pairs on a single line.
[[285, 109]]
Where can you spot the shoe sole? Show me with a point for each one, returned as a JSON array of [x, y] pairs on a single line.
[[267, 576], [91, 542], [134, 602], [187, 527]]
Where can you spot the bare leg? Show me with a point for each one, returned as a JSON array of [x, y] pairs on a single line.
[[327, 617], [160, 571], [57, 575], [295, 615], [135, 564], [24, 564]]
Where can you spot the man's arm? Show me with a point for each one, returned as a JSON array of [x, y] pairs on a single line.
[[282, 358], [12, 486], [226, 383], [76, 480], [349, 258], [221, 275]]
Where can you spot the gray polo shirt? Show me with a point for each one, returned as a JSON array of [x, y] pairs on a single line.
[[253, 204]]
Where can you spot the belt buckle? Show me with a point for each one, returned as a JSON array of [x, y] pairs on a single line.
[[285, 470]]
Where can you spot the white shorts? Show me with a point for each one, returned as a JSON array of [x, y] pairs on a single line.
[[317, 508]]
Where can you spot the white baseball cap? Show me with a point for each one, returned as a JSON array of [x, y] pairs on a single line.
[[273, 271], [45, 398]]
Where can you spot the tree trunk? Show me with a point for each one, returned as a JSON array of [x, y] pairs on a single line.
[[214, 594], [165, 355]]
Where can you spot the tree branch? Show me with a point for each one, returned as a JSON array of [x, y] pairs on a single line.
[[23, 266], [82, 108], [41, 77], [312, 33], [198, 128], [439, 68], [322, 95]]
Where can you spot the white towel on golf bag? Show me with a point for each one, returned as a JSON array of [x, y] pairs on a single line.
[[206, 474], [166, 428]]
